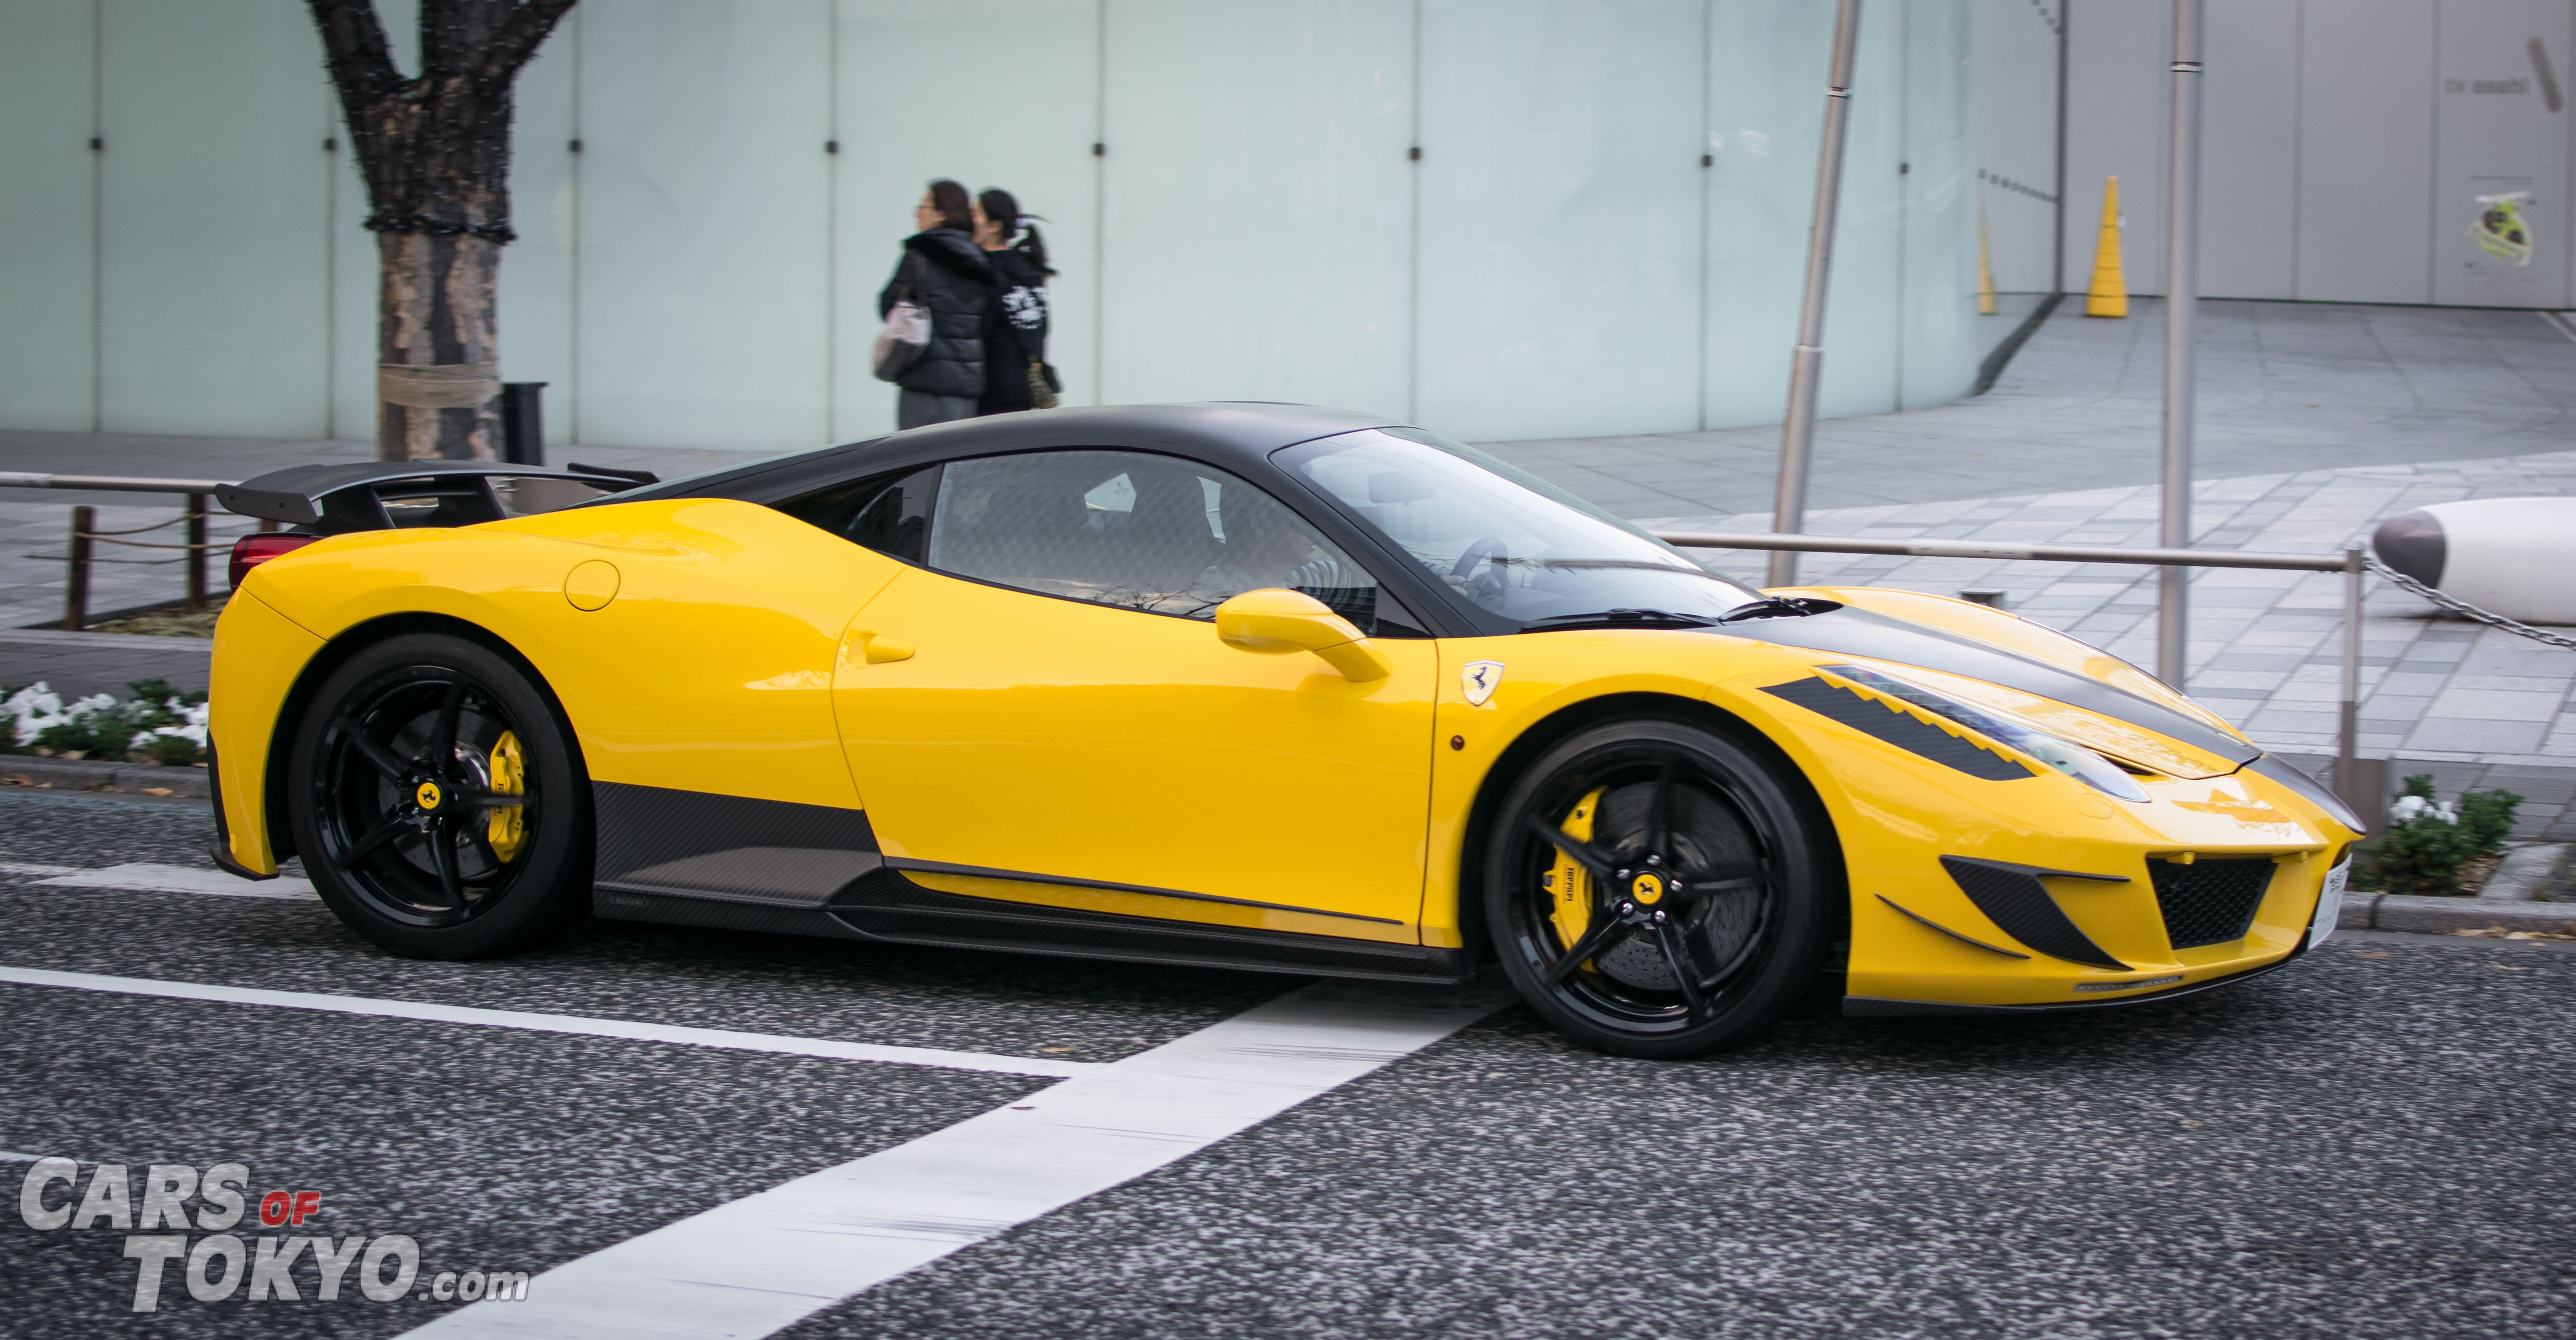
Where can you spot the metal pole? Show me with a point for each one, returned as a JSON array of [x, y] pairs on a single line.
[[2349, 750], [76, 570], [2057, 247], [1807, 360], [196, 551], [2182, 309]]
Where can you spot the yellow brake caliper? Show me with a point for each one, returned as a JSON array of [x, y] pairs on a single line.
[[507, 829], [1568, 881]]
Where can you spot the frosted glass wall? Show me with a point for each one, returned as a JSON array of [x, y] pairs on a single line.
[[1767, 61], [1257, 201], [1499, 218], [47, 318], [214, 220], [1937, 313], [704, 222], [1559, 275]]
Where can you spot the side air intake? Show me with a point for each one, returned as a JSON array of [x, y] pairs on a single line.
[[2012, 897]]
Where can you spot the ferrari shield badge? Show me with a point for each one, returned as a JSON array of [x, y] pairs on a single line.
[[1480, 679]]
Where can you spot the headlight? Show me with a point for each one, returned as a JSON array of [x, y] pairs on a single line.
[[2074, 760]]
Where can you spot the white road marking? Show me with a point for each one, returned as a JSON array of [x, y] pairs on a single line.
[[21, 868], [760, 1264], [147, 877], [554, 1023]]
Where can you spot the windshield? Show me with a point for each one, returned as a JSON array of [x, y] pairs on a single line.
[[1516, 546]]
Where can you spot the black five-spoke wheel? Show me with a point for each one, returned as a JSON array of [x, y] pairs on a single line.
[[1656, 888], [435, 800]]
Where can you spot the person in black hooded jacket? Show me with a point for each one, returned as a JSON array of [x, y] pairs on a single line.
[[1015, 321], [947, 275]]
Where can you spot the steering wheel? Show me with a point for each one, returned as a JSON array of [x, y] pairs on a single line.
[[1480, 570]]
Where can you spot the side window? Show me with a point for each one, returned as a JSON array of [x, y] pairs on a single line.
[[887, 513], [1142, 532]]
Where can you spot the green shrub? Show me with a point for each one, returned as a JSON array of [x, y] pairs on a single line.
[[89, 735], [176, 751], [2423, 855], [2489, 816], [2427, 841]]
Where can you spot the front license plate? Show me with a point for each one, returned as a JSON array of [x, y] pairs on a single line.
[[2329, 903]]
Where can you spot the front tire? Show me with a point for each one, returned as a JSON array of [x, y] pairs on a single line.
[[1657, 889], [439, 801]]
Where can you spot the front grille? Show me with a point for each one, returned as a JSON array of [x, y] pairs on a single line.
[[2209, 902]]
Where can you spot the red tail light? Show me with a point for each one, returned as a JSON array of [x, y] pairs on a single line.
[[252, 550]]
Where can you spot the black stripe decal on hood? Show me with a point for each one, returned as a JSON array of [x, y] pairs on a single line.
[[1902, 729], [1850, 631]]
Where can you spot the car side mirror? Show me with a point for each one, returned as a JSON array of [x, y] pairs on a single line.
[[1275, 621]]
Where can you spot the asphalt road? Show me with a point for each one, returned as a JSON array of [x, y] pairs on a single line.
[[2374, 1142]]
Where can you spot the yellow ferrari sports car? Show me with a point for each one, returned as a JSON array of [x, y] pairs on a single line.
[[1242, 685]]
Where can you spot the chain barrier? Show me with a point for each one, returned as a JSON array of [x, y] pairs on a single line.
[[157, 525], [2462, 607]]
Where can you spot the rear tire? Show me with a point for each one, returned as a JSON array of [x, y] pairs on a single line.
[[1698, 911], [439, 801]]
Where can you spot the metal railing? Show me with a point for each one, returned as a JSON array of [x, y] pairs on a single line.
[[2348, 781], [85, 531]]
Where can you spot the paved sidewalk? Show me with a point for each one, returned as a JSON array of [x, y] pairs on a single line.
[[2283, 387], [76, 665]]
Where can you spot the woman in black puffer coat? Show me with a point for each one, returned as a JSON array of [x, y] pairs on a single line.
[[946, 273]]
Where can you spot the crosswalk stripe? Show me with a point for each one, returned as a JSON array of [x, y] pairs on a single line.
[[760, 1264], [628, 1029]]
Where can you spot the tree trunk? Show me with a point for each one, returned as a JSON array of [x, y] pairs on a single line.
[[438, 382], [436, 153]]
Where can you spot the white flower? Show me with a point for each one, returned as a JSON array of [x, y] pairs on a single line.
[[2408, 809], [31, 710]]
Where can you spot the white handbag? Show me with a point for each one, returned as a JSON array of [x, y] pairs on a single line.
[[905, 335]]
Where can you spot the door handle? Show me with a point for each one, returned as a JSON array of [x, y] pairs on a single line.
[[879, 651]]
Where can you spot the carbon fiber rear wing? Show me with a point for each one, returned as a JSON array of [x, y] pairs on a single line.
[[380, 495]]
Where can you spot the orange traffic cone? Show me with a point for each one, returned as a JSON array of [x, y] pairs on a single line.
[[2109, 295], [1985, 267]]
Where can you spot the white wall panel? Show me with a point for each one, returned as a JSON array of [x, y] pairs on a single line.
[[1864, 319], [2250, 150], [703, 182], [2116, 105], [1258, 216], [991, 93], [46, 223], [1937, 346], [214, 211], [2015, 83], [2497, 133], [2366, 81], [1767, 68], [538, 272], [1561, 196]]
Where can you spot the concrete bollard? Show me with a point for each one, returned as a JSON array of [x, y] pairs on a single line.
[[2508, 555]]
